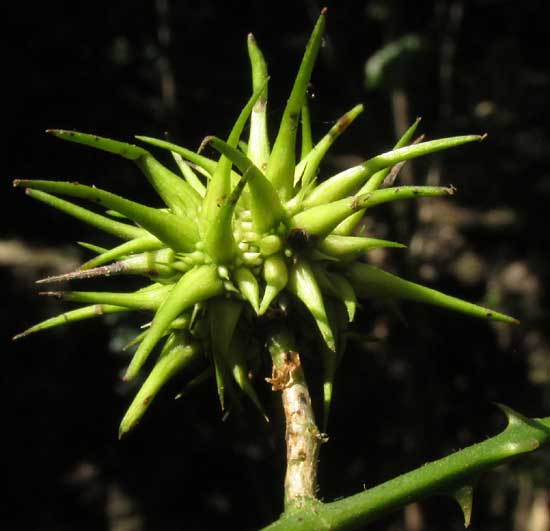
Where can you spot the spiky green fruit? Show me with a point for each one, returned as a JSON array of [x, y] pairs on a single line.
[[249, 236]]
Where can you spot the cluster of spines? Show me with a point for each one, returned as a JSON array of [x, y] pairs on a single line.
[[259, 224]]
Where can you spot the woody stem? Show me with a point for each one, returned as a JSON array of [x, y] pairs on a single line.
[[303, 439]]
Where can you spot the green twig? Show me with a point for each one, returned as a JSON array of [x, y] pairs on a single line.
[[445, 476]]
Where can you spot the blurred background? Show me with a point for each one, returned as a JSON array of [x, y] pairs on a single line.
[[425, 382]]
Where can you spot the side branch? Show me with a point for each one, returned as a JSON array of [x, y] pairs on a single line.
[[447, 476]]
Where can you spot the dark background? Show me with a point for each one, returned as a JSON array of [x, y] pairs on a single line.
[[424, 389]]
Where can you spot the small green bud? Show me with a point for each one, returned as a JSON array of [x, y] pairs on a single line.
[[275, 274], [270, 245], [248, 286]]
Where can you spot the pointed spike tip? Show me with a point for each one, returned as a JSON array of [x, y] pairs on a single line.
[[121, 432], [502, 318], [59, 133], [56, 294], [105, 271], [206, 140]]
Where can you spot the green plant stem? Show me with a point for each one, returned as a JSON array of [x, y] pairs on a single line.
[[445, 476], [303, 439]]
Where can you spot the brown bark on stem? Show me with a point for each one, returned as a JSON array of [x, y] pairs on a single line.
[[303, 439]]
